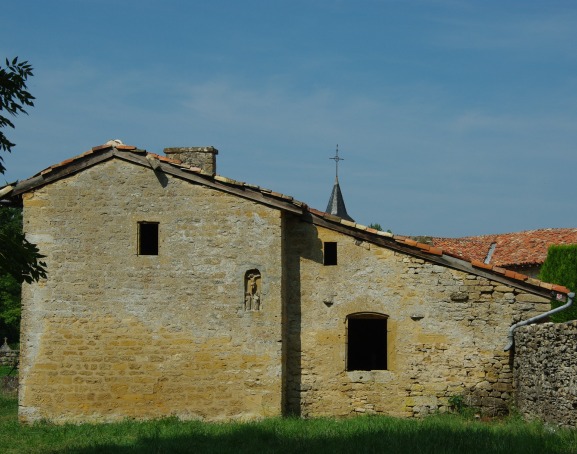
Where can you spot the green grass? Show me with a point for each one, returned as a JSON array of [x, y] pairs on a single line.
[[374, 434], [8, 370]]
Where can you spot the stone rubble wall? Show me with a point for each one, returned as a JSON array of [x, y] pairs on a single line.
[[545, 372], [8, 358]]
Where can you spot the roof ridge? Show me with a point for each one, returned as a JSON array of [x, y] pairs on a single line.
[[521, 232], [330, 218], [437, 251]]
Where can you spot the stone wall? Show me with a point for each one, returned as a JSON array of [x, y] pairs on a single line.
[[113, 334], [9, 358], [545, 372], [237, 316], [446, 330]]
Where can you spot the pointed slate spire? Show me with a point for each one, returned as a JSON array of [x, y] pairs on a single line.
[[336, 203]]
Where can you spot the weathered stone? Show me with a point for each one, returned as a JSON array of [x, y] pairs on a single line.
[[528, 298], [544, 372], [459, 296], [117, 334]]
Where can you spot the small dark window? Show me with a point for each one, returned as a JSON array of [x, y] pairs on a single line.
[[330, 257], [367, 342], [148, 238]]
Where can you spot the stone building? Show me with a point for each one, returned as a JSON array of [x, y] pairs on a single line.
[[172, 290]]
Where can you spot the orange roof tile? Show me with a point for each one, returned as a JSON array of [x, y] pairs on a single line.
[[514, 248], [511, 249]]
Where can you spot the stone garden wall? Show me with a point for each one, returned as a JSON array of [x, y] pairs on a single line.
[[8, 358], [545, 372]]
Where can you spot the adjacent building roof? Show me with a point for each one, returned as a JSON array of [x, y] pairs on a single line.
[[528, 248], [178, 169]]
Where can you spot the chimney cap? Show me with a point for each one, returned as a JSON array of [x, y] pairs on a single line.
[[208, 149]]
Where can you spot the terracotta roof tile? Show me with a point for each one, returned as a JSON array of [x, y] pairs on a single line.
[[479, 264], [511, 249], [472, 249], [317, 212], [560, 288], [348, 223], [332, 217], [435, 251], [169, 160], [101, 147], [118, 146], [533, 281]]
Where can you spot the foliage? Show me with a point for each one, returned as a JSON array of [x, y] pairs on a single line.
[[20, 261], [372, 434], [13, 97], [9, 307], [376, 226], [560, 267], [18, 257], [457, 402]]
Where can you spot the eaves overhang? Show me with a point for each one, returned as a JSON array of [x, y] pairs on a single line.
[[12, 194], [438, 256]]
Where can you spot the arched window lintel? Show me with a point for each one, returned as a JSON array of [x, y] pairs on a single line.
[[369, 315]]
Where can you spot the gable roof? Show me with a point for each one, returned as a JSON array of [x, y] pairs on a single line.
[[526, 248], [280, 201]]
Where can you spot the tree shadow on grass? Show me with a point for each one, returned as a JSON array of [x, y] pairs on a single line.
[[375, 437]]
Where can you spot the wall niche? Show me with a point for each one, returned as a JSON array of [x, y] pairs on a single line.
[[252, 290]]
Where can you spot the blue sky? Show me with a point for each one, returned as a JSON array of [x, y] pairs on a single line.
[[453, 117]]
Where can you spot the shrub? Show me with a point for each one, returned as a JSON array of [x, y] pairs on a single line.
[[560, 267]]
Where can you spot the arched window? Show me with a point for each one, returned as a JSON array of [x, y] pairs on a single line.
[[367, 341]]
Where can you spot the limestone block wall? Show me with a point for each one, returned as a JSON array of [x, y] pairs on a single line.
[[113, 334], [446, 330], [545, 372]]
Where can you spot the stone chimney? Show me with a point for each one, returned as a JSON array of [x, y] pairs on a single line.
[[203, 157]]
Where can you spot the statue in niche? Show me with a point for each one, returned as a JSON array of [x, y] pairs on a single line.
[[252, 290]]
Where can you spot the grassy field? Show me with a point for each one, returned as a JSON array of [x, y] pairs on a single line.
[[438, 434]]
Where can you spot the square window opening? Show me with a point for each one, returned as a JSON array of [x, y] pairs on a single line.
[[330, 253], [148, 238], [367, 344]]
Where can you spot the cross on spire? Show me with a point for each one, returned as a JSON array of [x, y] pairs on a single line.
[[336, 204], [337, 159]]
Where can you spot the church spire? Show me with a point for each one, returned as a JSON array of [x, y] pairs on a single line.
[[336, 204]]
